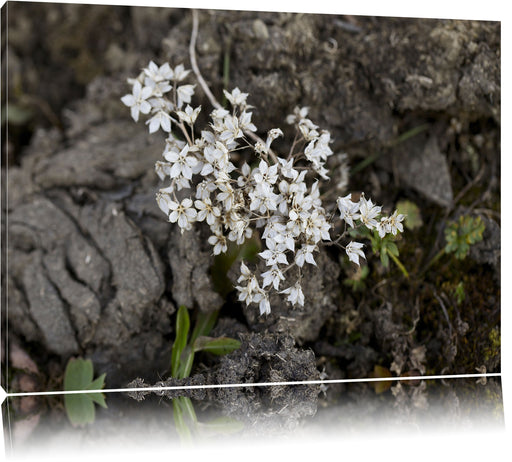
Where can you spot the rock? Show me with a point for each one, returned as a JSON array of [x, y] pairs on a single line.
[[48, 310], [190, 259], [423, 167], [104, 158]]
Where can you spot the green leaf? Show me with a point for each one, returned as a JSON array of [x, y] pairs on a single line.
[[384, 259], [412, 214], [222, 426], [79, 376], [204, 324], [188, 408], [180, 342], [461, 234], [186, 362], [392, 249], [216, 346], [179, 421]]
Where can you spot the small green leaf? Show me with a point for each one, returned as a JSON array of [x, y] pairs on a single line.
[[78, 375], [391, 248], [222, 426], [412, 214], [204, 324], [216, 346], [80, 407], [179, 421], [461, 234], [384, 259], [186, 362], [182, 328]]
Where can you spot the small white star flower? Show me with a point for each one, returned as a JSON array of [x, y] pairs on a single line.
[[219, 243], [295, 294], [185, 93], [274, 253], [368, 212], [183, 213], [182, 163], [180, 73], [353, 250], [272, 277], [189, 116], [160, 119], [137, 100], [348, 209], [207, 211], [236, 97]]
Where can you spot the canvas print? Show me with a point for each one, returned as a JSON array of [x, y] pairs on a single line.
[[198, 204]]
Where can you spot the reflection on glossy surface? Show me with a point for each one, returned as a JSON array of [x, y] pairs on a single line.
[[40, 426]]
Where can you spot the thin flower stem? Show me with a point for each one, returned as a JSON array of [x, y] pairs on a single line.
[[399, 264], [204, 85], [184, 131]]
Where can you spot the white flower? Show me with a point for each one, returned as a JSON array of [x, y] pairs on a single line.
[[272, 135], [317, 227], [163, 200], [236, 97], [287, 169], [395, 222], [245, 122], [231, 129], [160, 119], [305, 254], [245, 273], [183, 213], [158, 74], [354, 251], [185, 93], [207, 211], [274, 253], [179, 73], [263, 198], [348, 209], [295, 294], [137, 100], [264, 305], [368, 211], [219, 243], [227, 195], [189, 115], [182, 162], [272, 277], [298, 115], [251, 292], [264, 173]]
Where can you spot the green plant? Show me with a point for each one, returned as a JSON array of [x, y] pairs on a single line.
[[462, 234], [80, 406], [185, 348], [384, 246], [182, 358], [460, 293], [412, 214], [187, 423]]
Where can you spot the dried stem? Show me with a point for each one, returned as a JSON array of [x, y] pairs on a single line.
[[204, 85]]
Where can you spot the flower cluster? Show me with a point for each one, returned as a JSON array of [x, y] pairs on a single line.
[[277, 196]]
